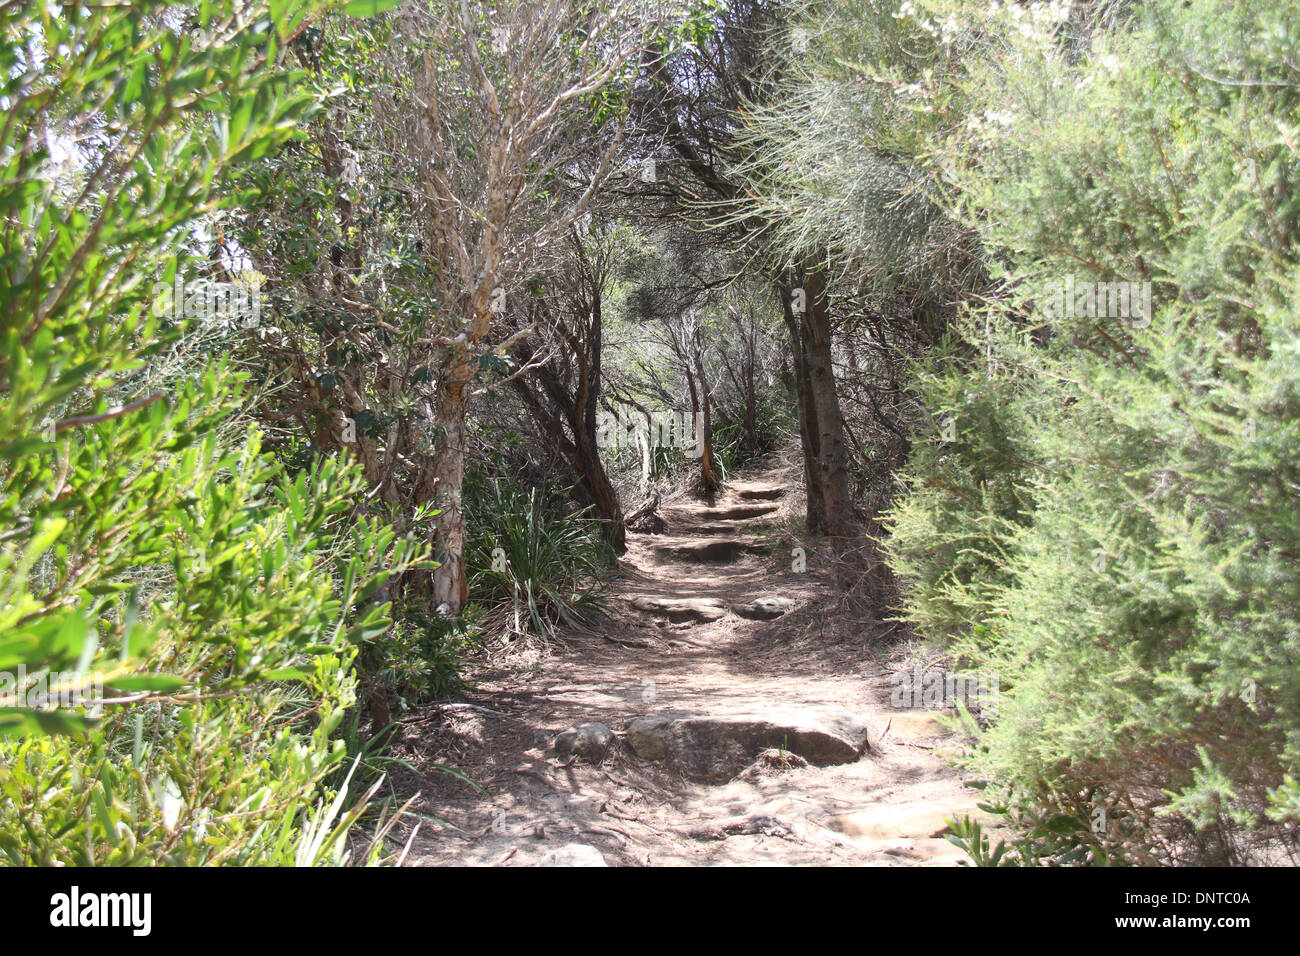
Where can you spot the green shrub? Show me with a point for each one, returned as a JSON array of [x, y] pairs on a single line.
[[421, 656], [151, 556], [1114, 529], [527, 553]]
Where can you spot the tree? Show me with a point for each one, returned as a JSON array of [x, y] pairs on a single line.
[[563, 393], [1106, 515], [805, 307], [436, 199], [675, 285]]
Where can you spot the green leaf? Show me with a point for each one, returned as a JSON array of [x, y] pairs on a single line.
[[286, 673], [151, 682], [369, 8]]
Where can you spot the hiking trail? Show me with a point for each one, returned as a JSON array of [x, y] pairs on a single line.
[[750, 680]]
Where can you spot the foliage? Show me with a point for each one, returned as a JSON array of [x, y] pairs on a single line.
[[526, 552], [1110, 523], [421, 656], [835, 162], [210, 604], [1050, 251], [403, 230]]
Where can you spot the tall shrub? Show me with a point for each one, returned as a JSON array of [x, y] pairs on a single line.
[[177, 617], [1109, 522]]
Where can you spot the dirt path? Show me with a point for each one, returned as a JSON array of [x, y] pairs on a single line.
[[697, 657]]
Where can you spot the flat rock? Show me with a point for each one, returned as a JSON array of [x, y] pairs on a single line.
[[573, 854], [701, 610], [737, 512], [922, 852], [722, 551], [756, 823], [917, 725], [764, 608], [705, 530], [715, 748], [759, 494], [589, 741]]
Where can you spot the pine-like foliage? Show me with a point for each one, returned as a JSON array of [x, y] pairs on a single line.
[[1106, 512]]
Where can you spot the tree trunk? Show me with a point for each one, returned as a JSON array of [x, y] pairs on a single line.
[[595, 481], [583, 422], [808, 430], [752, 443], [647, 459], [821, 427], [441, 486], [837, 500], [707, 479], [581, 451]]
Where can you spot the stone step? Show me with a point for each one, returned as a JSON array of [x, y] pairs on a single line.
[[760, 494], [714, 748], [764, 608], [707, 530], [737, 512], [679, 610], [721, 551]]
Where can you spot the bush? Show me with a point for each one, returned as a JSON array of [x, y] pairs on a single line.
[[1113, 527], [527, 553], [153, 561], [420, 657]]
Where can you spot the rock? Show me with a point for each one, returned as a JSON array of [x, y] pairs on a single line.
[[738, 512], [701, 610], [589, 741], [714, 748], [704, 530], [760, 494], [764, 608], [573, 854], [922, 852], [917, 725], [723, 551], [757, 823]]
